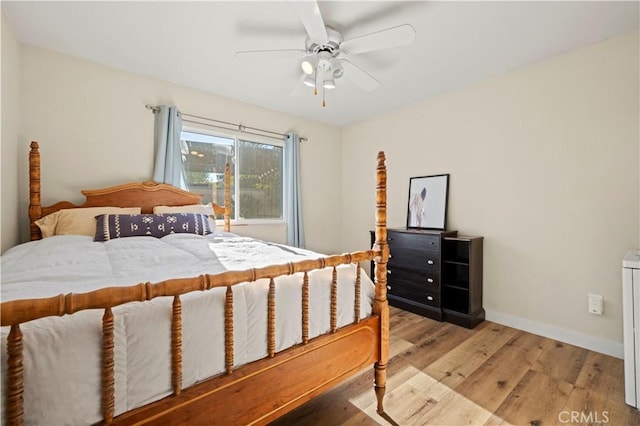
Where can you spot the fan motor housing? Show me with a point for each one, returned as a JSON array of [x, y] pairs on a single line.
[[332, 46]]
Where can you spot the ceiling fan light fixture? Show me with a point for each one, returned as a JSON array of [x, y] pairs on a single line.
[[307, 67], [329, 83], [309, 81], [336, 68]]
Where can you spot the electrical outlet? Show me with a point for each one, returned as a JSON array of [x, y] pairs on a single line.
[[596, 304]]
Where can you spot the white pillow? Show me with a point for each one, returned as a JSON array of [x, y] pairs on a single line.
[[191, 208], [80, 221]]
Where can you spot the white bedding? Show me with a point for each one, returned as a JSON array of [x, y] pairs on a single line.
[[62, 354]]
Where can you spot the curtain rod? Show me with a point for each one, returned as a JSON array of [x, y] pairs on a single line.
[[239, 127]]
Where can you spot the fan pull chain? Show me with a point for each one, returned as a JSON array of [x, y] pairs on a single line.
[[324, 104]]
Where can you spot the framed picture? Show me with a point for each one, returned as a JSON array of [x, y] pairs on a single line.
[[428, 197]]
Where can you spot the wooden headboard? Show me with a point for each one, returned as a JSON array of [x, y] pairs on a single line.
[[145, 195]]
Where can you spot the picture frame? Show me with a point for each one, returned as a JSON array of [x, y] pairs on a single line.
[[427, 204]]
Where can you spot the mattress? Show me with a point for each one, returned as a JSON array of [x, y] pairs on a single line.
[[62, 354]]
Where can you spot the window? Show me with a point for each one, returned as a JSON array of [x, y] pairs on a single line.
[[256, 173]]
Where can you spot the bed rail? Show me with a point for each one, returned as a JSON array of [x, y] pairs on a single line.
[[17, 312]]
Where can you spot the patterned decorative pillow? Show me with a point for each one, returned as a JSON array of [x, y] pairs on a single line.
[[110, 226], [193, 208]]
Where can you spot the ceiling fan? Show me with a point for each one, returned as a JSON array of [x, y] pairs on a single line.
[[326, 56]]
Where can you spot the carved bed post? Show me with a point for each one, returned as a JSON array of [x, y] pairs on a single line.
[[380, 304], [15, 377], [35, 208], [227, 198]]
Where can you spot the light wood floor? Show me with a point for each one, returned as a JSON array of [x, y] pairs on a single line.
[[442, 374]]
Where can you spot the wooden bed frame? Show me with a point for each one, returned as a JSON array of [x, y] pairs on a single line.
[[269, 387]]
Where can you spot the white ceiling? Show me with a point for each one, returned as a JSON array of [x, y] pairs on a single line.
[[193, 44]]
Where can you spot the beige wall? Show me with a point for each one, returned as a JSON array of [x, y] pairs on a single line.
[[10, 231], [544, 164], [94, 131]]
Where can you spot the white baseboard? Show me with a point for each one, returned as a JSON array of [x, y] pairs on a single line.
[[604, 346]]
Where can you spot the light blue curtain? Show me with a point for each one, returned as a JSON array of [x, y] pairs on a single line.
[[168, 156], [292, 191]]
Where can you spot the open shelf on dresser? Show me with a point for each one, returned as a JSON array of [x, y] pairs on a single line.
[[461, 280]]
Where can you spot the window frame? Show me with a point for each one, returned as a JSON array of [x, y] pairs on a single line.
[[236, 136]]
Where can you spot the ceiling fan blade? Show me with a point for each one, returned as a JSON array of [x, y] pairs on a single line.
[[309, 13], [282, 53], [364, 80], [401, 35]]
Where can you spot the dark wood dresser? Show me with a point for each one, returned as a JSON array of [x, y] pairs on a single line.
[[437, 274]]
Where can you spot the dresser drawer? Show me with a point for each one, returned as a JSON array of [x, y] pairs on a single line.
[[427, 274], [414, 241], [417, 287], [419, 261]]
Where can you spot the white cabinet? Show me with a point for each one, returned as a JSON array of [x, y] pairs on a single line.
[[631, 326]]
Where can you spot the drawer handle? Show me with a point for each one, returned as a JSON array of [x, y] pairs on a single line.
[[389, 287], [430, 262], [430, 280], [389, 272], [429, 297], [390, 256]]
